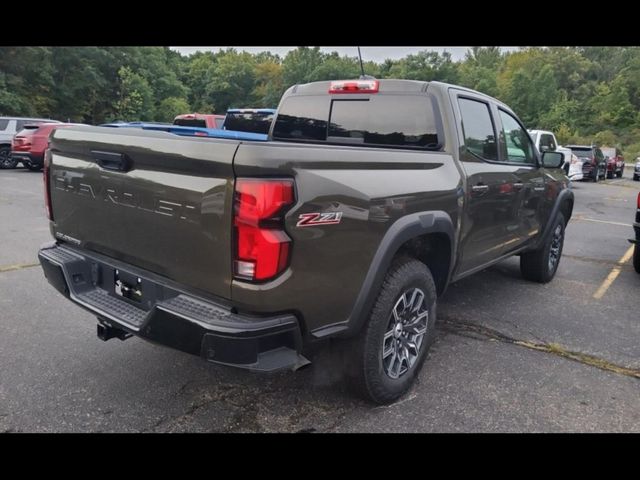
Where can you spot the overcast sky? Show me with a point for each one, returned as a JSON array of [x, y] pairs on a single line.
[[376, 54]]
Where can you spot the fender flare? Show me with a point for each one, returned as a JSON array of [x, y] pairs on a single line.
[[404, 229], [563, 196]]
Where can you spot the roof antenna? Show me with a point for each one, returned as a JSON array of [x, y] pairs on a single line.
[[363, 76]]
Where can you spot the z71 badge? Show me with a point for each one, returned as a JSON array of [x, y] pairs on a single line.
[[313, 219]]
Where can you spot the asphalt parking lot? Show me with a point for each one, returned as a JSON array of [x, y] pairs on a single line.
[[510, 356]]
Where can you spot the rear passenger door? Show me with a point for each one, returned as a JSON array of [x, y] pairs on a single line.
[[490, 225]]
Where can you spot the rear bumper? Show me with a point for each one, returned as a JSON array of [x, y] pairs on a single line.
[[28, 157], [172, 317]]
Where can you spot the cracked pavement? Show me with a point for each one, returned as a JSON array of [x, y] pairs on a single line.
[[510, 356]]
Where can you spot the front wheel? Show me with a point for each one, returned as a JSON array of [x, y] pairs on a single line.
[[6, 161], [390, 350], [541, 265], [636, 258], [34, 167], [610, 175]]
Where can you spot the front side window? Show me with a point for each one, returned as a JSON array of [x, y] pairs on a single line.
[[479, 134], [514, 141], [4, 123]]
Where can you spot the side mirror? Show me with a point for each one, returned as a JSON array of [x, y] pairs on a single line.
[[552, 159]]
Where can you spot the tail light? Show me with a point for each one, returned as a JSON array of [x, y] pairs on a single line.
[[262, 246], [47, 183], [638, 201], [354, 86]]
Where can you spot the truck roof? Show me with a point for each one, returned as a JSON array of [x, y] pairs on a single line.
[[385, 85]]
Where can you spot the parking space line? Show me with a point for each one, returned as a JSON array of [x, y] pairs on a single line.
[[17, 266], [615, 271], [580, 218]]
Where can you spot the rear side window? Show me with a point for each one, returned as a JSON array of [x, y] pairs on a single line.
[[253, 122], [479, 133], [547, 143], [4, 124], [27, 131], [382, 120], [190, 122], [582, 152]]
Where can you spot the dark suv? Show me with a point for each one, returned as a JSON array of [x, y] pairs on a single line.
[[594, 165]]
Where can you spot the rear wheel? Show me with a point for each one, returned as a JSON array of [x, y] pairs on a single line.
[[610, 174], [636, 258], [619, 174], [390, 350], [5, 158], [541, 265]]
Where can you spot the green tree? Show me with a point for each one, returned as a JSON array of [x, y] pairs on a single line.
[[136, 98]]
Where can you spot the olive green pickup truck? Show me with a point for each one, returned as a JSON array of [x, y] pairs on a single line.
[[348, 221]]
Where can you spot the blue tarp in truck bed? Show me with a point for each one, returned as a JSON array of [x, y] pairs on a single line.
[[193, 131]]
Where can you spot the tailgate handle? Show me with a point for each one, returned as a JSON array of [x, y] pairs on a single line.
[[111, 160]]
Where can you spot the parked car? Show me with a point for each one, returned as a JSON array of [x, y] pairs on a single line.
[[9, 126], [203, 120], [636, 240], [594, 165], [545, 141], [254, 120], [29, 144], [346, 222], [636, 170], [615, 161]]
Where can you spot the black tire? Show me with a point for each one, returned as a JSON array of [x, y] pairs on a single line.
[[636, 258], [6, 161], [609, 175], [34, 168], [619, 174], [596, 177], [369, 372], [537, 265], [636, 178]]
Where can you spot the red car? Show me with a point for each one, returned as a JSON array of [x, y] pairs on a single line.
[[199, 120], [615, 161], [29, 144]]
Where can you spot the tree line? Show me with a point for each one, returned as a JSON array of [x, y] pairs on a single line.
[[583, 94]]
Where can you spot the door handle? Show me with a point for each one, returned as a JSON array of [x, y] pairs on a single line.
[[480, 189]]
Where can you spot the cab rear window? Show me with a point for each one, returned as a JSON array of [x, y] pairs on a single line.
[[399, 121], [254, 122], [190, 122]]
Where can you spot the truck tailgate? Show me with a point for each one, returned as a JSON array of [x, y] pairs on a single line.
[[150, 199]]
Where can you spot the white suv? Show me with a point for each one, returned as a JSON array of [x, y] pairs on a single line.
[[9, 126]]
